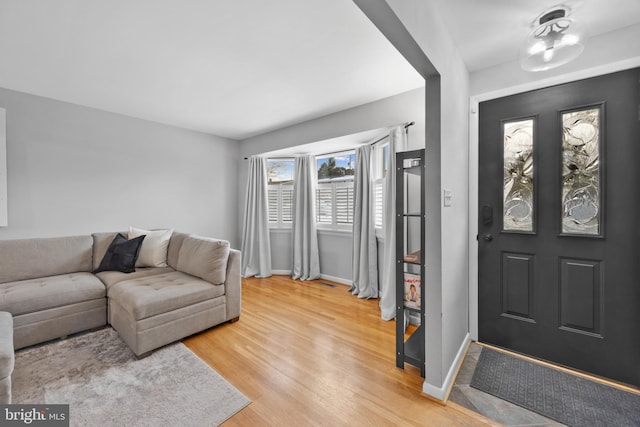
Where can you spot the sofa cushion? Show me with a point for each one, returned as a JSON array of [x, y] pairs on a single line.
[[31, 295], [154, 247], [121, 255], [25, 259], [204, 258], [110, 278], [152, 295]]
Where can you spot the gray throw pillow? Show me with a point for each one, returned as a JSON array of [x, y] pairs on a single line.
[[121, 255]]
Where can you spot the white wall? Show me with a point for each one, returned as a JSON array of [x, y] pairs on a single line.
[[3, 168], [601, 51], [77, 170], [408, 106], [335, 248], [447, 317]]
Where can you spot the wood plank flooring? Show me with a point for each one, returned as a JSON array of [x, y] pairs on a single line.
[[311, 355]]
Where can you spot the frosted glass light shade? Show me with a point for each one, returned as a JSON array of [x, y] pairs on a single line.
[[552, 43]]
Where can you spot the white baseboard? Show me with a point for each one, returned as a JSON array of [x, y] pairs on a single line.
[[337, 279], [322, 276], [441, 393]]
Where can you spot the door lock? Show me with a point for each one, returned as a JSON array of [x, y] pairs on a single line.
[[487, 215], [487, 237]]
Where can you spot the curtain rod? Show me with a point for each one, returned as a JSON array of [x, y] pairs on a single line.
[[406, 128], [337, 152], [278, 158], [380, 139]]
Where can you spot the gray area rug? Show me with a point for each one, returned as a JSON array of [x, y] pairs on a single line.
[[555, 394], [105, 385]]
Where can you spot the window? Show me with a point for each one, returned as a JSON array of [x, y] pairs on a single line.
[[334, 195], [379, 202], [280, 192], [380, 167]]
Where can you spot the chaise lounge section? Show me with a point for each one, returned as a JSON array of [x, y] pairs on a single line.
[[199, 288]]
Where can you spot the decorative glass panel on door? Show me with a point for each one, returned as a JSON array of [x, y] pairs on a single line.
[[518, 200], [581, 198]]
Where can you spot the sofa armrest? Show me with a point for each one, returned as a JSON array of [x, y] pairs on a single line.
[[233, 285]]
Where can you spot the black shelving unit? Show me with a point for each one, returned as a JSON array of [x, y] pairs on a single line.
[[410, 266]]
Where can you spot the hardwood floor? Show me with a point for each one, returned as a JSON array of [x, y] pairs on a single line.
[[307, 354]]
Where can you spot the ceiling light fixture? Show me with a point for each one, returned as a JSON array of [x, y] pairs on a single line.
[[555, 40]]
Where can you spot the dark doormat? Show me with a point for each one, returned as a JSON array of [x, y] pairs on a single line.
[[555, 394]]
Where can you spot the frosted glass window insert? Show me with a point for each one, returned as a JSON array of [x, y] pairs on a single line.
[[581, 172], [518, 190]]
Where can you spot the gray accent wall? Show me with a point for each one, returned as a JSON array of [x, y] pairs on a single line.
[[280, 250], [334, 251], [76, 170]]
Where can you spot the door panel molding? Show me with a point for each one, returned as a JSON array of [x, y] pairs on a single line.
[[518, 286], [580, 294]]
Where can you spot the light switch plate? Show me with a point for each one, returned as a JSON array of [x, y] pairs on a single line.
[[448, 195]]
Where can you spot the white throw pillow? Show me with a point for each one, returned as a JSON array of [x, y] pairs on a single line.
[[153, 252]]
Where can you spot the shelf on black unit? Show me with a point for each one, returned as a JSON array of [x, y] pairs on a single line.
[[413, 347], [415, 170]]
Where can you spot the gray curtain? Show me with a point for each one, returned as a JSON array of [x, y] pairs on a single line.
[[256, 247], [397, 143], [365, 250], [305, 264]]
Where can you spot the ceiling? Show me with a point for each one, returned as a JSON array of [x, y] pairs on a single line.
[[230, 68], [490, 32], [244, 67]]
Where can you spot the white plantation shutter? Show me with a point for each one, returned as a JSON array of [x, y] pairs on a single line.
[[287, 202], [334, 191], [273, 203], [324, 203], [280, 204], [334, 205], [344, 203], [379, 202]]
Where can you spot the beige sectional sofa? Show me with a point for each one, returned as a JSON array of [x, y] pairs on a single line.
[[48, 286]]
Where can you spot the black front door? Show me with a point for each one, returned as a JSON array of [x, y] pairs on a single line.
[[558, 224]]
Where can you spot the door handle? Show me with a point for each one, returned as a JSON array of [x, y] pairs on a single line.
[[487, 237]]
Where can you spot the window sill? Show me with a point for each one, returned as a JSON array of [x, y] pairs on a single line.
[[280, 229], [335, 232]]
